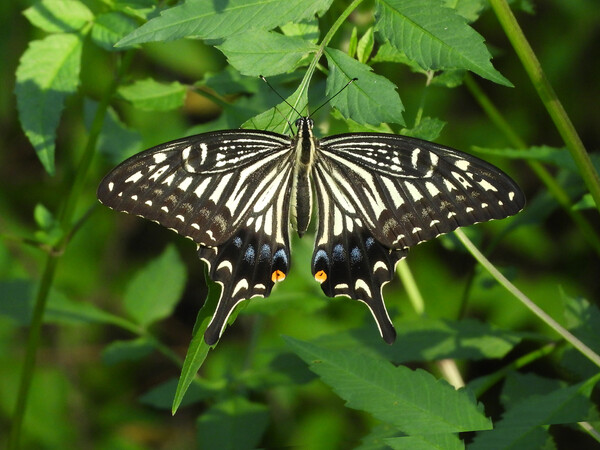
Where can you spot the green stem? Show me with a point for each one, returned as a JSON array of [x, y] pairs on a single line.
[[541, 314], [553, 187], [334, 28], [410, 285], [548, 96], [524, 360], [65, 219]]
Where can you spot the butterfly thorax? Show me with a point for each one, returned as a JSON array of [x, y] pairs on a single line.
[[304, 146]]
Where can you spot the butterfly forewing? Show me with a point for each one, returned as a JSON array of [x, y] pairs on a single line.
[[409, 191], [203, 187]]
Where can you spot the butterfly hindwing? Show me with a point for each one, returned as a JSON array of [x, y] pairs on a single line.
[[409, 191], [348, 260], [255, 257]]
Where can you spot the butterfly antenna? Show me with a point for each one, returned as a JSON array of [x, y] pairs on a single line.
[[335, 95], [279, 95]]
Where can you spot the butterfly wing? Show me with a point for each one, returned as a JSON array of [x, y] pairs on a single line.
[[409, 191], [229, 192], [380, 194]]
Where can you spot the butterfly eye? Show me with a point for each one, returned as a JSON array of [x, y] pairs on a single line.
[[298, 123]]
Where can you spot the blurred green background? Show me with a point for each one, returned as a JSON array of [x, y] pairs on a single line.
[[79, 401]]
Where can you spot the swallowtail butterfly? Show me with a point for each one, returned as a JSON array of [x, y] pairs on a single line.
[[235, 192]]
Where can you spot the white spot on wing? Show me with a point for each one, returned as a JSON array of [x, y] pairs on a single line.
[[361, 284], [225, 264], [412, 190], [242, 284], [111, 186], [135, 177], [159, 157], [487, 186], [185, 184], [462, 164]]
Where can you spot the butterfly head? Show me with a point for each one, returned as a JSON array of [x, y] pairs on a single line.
[[303, 124]]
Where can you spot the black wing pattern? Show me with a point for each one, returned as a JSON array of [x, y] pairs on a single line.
[[379, 194], [229, 192]]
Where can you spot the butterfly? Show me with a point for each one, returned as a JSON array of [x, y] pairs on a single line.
[[236, 192]]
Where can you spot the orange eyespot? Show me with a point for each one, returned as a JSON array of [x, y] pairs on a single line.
[[277, 275], [320, 276]]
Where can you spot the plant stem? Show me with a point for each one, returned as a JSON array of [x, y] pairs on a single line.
[[410, 285], [326, 39], [553, 187], [492, 379], [567, 335], [65, 219], [548, 96]]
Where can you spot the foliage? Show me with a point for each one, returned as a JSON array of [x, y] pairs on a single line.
[[121, 346]]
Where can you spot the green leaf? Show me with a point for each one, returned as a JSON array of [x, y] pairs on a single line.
[[198, 349], [586, 202], [17, 298], [413, 401], [235, 423], [583, 320], [155, 290], [50, 232], [48, 71], [469, 9], [116, 141], [353, 44], [518, 386], [520, 425], [161, 396], [137, 8], [355, 127], [309, 30], [275, 119], [426, 442], [372, 99], [150, 95], [429, 128], [365, 46], [57, 16], [213, 20], [432, 340], [265, 53], [449, 78], [435, 37], [43, 217], [132, 350], [388, 53], [229, 81], [110, 27]]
